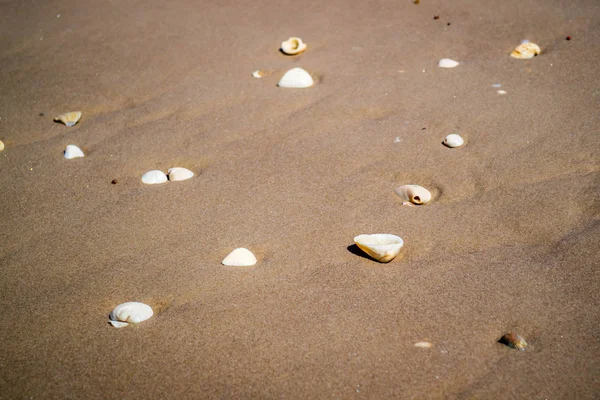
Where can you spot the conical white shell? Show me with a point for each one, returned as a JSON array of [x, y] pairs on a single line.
[[296, 78], [179, 174], [526, 50], [130, 313], [380, 246], [293, 45], [70, 118], [454, 140], [447, 63], [240, 257], [414, 193], [73, 151], [153, 177]]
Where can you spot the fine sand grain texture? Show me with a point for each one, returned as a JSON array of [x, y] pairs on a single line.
[[508, 244]]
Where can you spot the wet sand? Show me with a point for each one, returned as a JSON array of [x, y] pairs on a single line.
[[509, 244]]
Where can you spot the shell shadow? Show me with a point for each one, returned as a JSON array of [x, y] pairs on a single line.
[[354, 249]]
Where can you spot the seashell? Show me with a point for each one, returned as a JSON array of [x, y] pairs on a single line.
[[130, 313], [153, 177], [380, 246], [73, 151], [293, 45], [258, 74], [453, 140], [240, 257], [447, 63], [526, 50], [1, 145], [296, 78], [514, 341], [501, 92], [414, 193], [69, 119], [180, 174], [424, 345]]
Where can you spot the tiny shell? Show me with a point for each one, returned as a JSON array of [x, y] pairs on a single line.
[[296, 78], [526, 50], [239, 257], [382, 247], [73, 151], [447, 63], [514, 341], [414, 193], [130, 313], [153, 177], [69, 119], [453, 140], [1, 145], [179, 174], [501, 92], [293, 45], [257, 74], [423, 345]]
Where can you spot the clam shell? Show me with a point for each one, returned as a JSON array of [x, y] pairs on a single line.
[[296, 78], [514, 341], [382, 247], [293, 45], [1, 145], [154, 177], [239, 257], [69, 119], [526, 50], [414, 193], [130, 313], [179, 174], [447, 63], [73, 151], [453, 140]]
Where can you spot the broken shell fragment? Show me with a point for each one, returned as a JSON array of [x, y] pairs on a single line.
[[1, 145], [240, 257], [414, 193], [180, 174], [69, 119], [296, 78], [423, 345], [258, 74], [73, 151], [154, 177], [453, 140], [130, 313], [526, 50], [382, 247], [447, 63], [514, 341], [293, 45]]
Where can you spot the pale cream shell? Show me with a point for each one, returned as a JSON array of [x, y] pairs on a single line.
[[154, 177], [296, 78], [414, 193], [70, 118], [130, 313], [73, 151], [1, 145], [240, 257], [525, 51], [382, 247], [448, 63], [293, 45], [179, 174], [453, 140]]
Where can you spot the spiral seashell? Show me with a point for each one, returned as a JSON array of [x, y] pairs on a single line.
[[293, 46], [414, 193], [382, 247], [129, 313], [69, 119], [526, 50]]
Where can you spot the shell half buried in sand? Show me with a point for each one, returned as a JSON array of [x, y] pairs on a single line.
[[448, 63], [240, 257], [73, 151], [525, 51], [513, 341], [1, 145], [382, 247], [293, 45], [296, 78], [69, 119], [453, 140], [180, 174], [130, 313], [154, 177], [414, 194]]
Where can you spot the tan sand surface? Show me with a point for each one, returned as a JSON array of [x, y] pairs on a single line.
[[509, 244]]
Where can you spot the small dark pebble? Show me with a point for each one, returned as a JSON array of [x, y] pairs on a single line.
[[448, 24], [568, 38], [41, 114], [513, 341], [114, 182], [436, 17], [423, 129]]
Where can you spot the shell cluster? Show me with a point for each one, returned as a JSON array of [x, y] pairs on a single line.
[[69, 119], [175, 174], [129, 313], [293, 46], [382, 247], [525, 51]]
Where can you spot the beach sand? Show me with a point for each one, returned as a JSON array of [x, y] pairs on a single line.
[[509, 244]]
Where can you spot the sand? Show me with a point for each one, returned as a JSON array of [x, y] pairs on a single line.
[[509, 244]]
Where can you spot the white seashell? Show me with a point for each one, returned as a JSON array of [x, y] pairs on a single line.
[[414, 193], [257, 74], [240, 257], [293, 45], [69, 119], [380, 246], [153, 177], [453, 140], [1, 145], [501, 92], [296, 78], [447, 63], [130, 313], [73, 151], [423, 345], [526, 50], [180, 174]]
